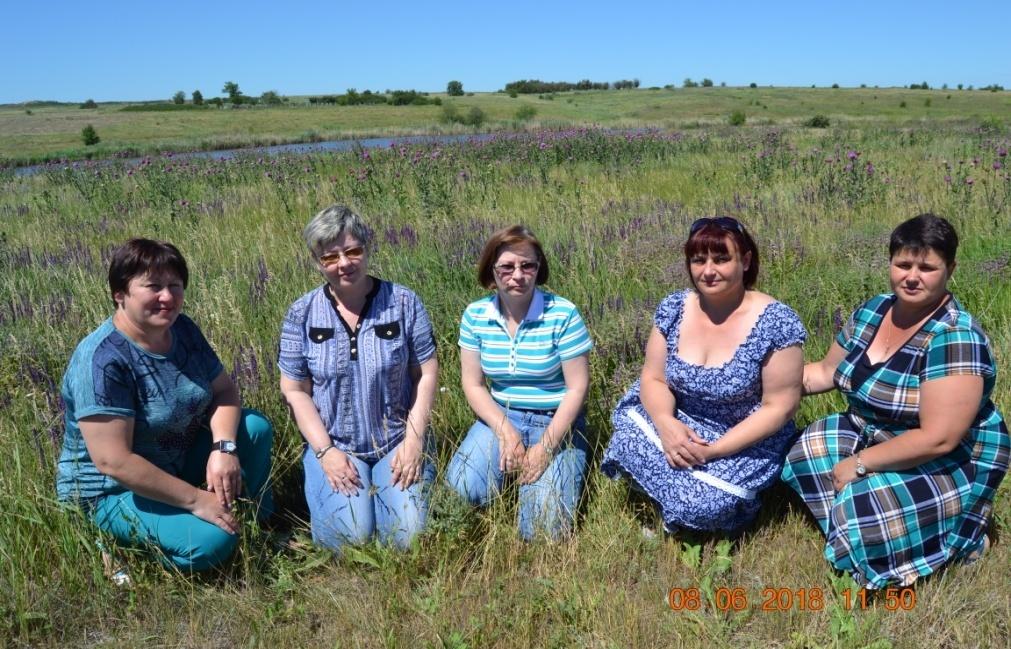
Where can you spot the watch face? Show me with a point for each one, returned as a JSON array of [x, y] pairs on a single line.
[[861, 470], [226, 446]]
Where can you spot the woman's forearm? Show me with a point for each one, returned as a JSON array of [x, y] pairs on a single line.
[[225, 410], [767, 420], [566, 413], [486, 408], [307, 419], [657, 399], [910, 449], [145, 479], [420, 411]]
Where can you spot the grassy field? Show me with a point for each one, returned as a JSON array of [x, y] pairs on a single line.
[[51, 133], [613, 210]]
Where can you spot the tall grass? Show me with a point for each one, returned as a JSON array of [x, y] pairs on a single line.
[[612, 210]]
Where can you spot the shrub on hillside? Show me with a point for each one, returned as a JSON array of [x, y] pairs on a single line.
[[817, 121], [474, 117], [737, 118], [198, 98], [454, 89], [89, 136], [179, 97], [90, 103], [525, 112]]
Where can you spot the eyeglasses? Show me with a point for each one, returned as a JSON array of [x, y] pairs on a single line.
[[526, 267], [351, 254], [727, 223]]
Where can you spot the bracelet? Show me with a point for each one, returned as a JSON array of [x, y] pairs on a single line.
[[320, 453]]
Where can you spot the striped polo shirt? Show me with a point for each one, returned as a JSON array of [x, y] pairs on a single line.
[[525, 372]]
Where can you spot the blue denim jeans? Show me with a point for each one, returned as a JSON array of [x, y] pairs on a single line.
[[396, 516], [185, 541], [547, 506]]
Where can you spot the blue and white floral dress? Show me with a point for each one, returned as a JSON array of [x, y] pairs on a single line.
[[722, 495]]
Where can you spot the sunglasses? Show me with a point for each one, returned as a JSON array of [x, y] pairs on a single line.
[[527, 268], [351, 254], [727, 223]]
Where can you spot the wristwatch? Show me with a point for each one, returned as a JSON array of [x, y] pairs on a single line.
[[225, 446], [861, 469]]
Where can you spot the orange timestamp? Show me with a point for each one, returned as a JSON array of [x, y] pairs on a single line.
[[787, 599]]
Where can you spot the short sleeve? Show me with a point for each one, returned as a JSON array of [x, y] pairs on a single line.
[[957, 351], [109, 387], [421, 338], [668, 312], [845, 333], [574, 340], [291, 358], [787, 328], [468, 337]]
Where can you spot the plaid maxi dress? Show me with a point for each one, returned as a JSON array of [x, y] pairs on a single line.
[[892, 527]]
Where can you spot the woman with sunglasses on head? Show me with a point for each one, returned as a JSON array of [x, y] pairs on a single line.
[[705, 428], [359, 371], [525, 373], [904, 480]]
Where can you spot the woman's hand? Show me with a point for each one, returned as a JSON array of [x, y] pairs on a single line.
[[681, 445], [535, 461], [511, 451], [208, 507], [407, 461], [844, 472], [341, 472], [224, 477]]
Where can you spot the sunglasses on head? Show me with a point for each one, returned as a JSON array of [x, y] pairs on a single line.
[[727, 223]]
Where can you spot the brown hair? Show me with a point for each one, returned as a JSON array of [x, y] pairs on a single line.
[[140, 256], [712, 235], [505, 237]]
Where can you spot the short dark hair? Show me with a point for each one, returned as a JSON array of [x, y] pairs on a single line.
[[510, 236], [712, 237], [925, 232], [140, 256]]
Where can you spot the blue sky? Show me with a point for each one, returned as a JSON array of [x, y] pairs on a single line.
[[73, 50]]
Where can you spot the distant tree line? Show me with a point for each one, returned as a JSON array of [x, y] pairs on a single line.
[[536, 86], [393, 97]]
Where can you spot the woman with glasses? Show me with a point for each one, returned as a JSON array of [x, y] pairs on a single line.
[[705, 428], [903, 482], [525, 373], [359, 371]]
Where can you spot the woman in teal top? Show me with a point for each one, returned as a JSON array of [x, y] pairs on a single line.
[[903, 482], [156, 447], [525, 373]]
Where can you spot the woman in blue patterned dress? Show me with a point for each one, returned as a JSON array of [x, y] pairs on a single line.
[[705, 428], [359, 371], [904, 480]]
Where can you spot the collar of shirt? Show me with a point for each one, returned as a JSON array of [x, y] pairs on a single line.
[[534, 311]]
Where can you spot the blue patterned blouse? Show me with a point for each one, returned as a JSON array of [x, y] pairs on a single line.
[[361, 380]]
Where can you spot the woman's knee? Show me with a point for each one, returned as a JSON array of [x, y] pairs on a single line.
[[336, 531], [257, 428], [209, 547], [471, 471]]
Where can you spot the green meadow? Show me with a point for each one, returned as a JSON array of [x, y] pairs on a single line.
[[54, 132], [612, 209]]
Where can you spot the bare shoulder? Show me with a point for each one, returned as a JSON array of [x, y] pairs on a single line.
[[760, 300]]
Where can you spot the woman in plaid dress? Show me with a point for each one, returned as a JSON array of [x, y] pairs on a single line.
[[904, 480]]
